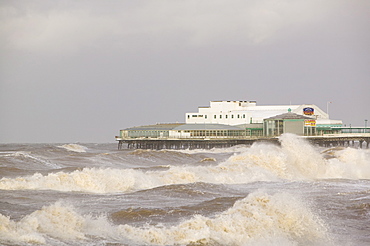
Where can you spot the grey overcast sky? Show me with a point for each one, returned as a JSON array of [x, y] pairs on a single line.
[[79, 71]]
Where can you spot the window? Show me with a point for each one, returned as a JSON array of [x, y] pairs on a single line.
[[205, 116], [188, 116], [220, 116], [214, 116], [238, 116], [226, 116], [232, 116], [243, 116]]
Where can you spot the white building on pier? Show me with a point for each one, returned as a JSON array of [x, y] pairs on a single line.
[[241, 119], [247, 112]]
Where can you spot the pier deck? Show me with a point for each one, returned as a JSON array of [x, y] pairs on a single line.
[[353, 140], [361, 140]]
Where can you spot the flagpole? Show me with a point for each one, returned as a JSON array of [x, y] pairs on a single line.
[[327, 108]]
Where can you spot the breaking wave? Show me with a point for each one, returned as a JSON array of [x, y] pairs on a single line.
[[29, 157], [74, 147], [258, 219], [85, 180], [294, 160]]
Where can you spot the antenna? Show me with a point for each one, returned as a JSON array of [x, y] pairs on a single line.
[[327, 108]]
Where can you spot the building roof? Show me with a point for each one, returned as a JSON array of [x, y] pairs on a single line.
[[251, 126], [289, 115], [206, 127]]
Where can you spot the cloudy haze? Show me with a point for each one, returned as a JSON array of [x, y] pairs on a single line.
[[78, 71]]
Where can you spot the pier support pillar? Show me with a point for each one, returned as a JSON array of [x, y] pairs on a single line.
[[120, 144]]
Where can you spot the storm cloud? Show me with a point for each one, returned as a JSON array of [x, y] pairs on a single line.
[[81, 70]]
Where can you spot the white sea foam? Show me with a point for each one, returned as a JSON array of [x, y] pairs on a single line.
[[7, 153], [294, 160], [259, 219], [86, 180], [349, 163], [74, 147], [57, 221]]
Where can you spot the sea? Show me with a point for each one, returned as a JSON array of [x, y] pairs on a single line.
[[292, 193]]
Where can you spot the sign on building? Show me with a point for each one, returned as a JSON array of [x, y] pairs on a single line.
[[308, 111], [309, 122]]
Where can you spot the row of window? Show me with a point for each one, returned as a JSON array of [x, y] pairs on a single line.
[[232, 116], [215, 116], [193, 133], [253, 132], [224, 133], [197, 115], [148, 133]]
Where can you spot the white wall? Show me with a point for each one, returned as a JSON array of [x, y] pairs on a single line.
[[229, 111]]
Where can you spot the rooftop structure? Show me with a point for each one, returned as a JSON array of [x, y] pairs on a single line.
[[149, 131], [289, 116], [247, 112], [289, 123]]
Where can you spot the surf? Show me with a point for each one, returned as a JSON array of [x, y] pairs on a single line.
[[294, 160], [258, 219]]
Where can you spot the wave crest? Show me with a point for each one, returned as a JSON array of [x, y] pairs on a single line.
[[258, 219], [74, 147], [294, 160], [56, 221], [86, 180]]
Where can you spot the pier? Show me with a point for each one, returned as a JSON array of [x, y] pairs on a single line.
[[158, 144], [333, 140], [344, 140], [229, 123]]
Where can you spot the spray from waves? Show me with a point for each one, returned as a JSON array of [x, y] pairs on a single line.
[[258, 219], [349, 163], [294, 160], [74, 147]]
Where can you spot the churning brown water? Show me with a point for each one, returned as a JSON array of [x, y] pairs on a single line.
[[93, 194]]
